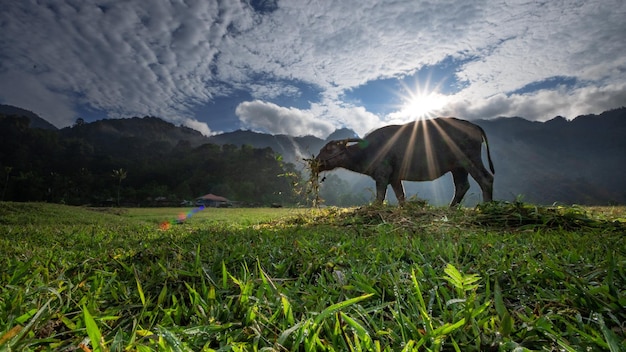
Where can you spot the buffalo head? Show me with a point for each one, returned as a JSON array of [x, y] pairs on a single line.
[[336, 153]]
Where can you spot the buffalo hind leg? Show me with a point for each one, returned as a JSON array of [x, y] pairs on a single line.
[[485, 180], [461, 185], [398, 189]]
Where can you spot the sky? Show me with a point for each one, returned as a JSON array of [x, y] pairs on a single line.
[[301, 67]]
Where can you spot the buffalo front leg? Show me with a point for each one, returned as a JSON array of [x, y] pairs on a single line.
[[398, 189], [381, 192], [461, 185]]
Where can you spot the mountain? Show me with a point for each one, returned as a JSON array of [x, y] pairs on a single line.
[[35, 120], [145, 131], [152, 130], [342, 133], [579, 161]]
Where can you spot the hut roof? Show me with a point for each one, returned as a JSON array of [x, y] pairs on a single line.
[[213, 197]]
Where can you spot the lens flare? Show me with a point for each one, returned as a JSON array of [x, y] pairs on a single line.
[[165, 225], [181, 218]]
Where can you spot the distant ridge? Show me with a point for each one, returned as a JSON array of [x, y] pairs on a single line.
[[148, 128], [578, 161], [35, 120]]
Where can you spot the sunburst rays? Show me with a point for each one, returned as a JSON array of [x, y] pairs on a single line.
[[419, 102]]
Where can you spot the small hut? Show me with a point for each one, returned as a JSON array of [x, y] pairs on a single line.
[[211, 200]]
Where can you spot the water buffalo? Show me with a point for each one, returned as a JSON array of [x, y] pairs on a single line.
[[423, 150]]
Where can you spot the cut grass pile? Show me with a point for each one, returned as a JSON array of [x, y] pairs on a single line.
[[500, 277]]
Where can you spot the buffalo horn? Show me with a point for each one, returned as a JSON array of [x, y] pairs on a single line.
[[352, 140]]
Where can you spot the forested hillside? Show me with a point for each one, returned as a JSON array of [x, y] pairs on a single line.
[[134, 162]]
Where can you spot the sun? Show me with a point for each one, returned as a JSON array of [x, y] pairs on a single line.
[[419, 101], [422, 105]]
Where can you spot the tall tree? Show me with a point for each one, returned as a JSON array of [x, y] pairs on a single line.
[[120, 175]]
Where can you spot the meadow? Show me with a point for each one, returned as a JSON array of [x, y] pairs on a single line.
[[498, 277]]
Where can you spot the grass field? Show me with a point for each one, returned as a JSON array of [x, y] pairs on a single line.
[[499, 277]]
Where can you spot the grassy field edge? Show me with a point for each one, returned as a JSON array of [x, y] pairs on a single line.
[[503, 276]]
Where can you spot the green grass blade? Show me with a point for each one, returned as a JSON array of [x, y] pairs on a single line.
[[142, 296], [416, 285], [448, 328], [287, 311], [499, 301], [422, 307], [173, 342], [225, 276], [285, 334], [19, 272], [360, 331], [506, 327], [611, 339], [23, 331], [93, 331], [162, 295], [338, 306]]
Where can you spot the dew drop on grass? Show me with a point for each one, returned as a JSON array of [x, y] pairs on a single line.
[[340, 277]]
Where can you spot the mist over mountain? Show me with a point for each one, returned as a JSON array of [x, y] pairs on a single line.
[[292, 149], [582, 161]]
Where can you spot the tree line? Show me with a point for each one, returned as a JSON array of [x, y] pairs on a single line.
[[72, 167]]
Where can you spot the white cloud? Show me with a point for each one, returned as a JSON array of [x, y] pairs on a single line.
[[354, 117], [272, 90], [164, 58], [542, 105], [343, 45], [319, 120], [270, 117], [125, 57], [198, 126], [538, 41]]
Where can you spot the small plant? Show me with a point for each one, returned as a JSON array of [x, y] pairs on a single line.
[[313, 184]]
